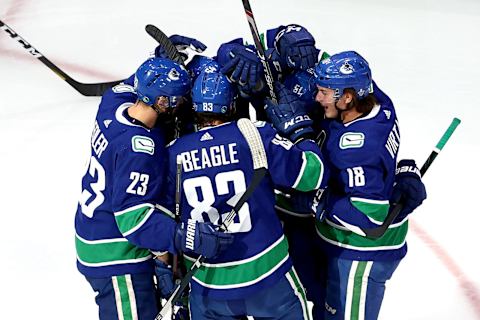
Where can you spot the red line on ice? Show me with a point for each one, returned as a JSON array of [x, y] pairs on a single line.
[[13, 9], [66, 67], [468, 287]]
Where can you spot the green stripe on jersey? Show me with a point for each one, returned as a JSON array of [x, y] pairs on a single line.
[[394, 237], [101, 253], [311, 174], [374, 209], [244, 272], [129, 220]]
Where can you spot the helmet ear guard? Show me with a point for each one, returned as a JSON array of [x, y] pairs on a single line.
[[342, 71]]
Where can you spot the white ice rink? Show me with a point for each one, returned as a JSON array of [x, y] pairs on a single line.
[[423, 53]]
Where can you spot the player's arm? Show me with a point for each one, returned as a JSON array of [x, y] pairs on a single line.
[[300, 167], [139, 181], [361, 204]]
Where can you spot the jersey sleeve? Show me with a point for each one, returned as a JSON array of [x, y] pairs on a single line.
[[139, 182], [293, 166]]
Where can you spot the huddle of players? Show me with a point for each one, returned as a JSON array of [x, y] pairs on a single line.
[[331, 144]]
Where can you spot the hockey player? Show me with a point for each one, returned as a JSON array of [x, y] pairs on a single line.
[[255, 275], [292, 51], [362, 141], [118, 225]]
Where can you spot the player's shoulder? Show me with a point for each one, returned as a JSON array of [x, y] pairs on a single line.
[[368, 134], [265, 128], [133, 138], [121, 93]]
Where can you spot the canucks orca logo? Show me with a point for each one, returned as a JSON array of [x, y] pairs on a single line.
[[346, 68], [351, 140], [173, 74]]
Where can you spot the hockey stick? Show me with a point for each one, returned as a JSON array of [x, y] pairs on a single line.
[[178, 193], [86, 89], [165, 42], [380, 231], [260, 49], [260, 167]]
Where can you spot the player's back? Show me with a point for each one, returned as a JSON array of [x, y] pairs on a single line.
[[115, 180], [217, 165]]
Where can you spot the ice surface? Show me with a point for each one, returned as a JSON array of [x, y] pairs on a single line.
[[423, 53]]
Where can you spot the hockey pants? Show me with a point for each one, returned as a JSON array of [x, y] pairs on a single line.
[[129, 296], [283, 301]]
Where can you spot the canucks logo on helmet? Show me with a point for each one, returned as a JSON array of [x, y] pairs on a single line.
[[158, 77], [346, 68]]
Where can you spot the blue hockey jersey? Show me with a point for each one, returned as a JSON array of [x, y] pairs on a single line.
[[217, 164], [117, 222], [362, 155]]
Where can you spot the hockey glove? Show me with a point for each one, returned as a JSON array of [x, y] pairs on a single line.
[[164, 275], [201, 238], [182, 43], [241, 64], [408, 189], [296, 47], [289, 117]]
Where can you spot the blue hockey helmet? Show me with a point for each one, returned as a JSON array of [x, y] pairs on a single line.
[[158, 77], [200, 63], [212, 92], [342, 71]]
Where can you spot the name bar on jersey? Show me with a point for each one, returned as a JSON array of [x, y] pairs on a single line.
[[99, 142], [213, 156]]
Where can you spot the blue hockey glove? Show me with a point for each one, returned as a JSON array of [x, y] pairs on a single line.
[[289, 117], [408, 189], [296, 47], [201, 238], [241, 64], [182, 43], [164, 276]]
